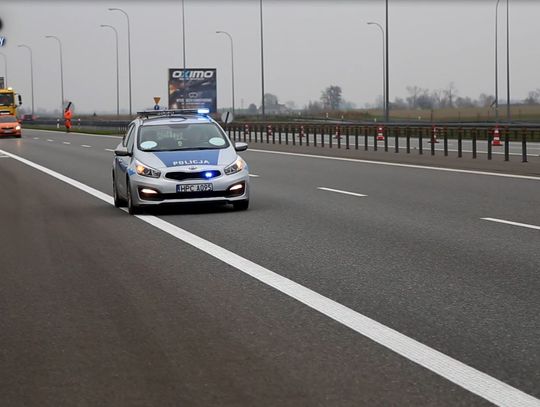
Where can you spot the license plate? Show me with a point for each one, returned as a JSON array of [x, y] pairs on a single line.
[[194, 188], [8, 131]]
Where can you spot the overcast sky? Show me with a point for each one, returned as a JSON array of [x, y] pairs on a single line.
[[308, 46]]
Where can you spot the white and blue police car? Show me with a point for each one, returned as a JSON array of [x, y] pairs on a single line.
[[177, 156]]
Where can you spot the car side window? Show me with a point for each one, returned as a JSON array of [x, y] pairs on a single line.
[[130, 139], [125, 140]]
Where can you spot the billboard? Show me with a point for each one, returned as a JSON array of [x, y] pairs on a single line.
[[195, 88]]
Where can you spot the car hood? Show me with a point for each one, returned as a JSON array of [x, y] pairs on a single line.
[[189, 158]]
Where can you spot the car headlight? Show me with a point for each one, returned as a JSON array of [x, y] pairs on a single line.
[[146, 171], [235, 167], [17, 127]]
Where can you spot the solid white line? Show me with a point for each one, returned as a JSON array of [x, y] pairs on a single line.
[[85, 146], [457, 372], [523, 225], [80, 134], [340, 191], [422, 167], [66, 142]]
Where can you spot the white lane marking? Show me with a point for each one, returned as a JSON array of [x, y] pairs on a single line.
[[49, 140], [109, 149], [36, 138], [457, 372], [4, 156], [340, 191], [254, 176], [523, 225], [66, 142], [85, 146], [80, 134], [421, 167]]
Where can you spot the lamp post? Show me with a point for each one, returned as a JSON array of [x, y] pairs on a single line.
[[232, 64], [184, 52], [387, 89], [5, 68], [497, 62], [117, 68], [129, 53], [61, 71], [262, 62], [508, 61], [383, 66], [31, 73]]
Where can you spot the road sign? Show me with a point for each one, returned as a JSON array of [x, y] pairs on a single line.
[[156, 107], [156, 101]]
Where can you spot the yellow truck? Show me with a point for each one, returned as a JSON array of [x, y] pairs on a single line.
[[8, 104]]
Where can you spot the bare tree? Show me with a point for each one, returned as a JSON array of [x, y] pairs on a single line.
[[331, 97], [450, 92]]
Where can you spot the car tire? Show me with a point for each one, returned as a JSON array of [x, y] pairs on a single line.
[[241, 205], [131, 207], [118, 202]]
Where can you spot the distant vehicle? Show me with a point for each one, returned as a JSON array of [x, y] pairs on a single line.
[[28, 118], [174, 156], [7, 102], [10, 126]]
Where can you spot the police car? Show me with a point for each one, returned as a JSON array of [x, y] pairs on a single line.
[[174, 156]]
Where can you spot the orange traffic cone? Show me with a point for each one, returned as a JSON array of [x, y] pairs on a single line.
[[496, 137], [380, 133], [434, 133]]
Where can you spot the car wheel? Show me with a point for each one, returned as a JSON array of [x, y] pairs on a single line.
[[118, 202], [241, 205], [132, 208]]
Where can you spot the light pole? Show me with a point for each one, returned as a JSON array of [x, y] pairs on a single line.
[[387, 89], [383, 65], [262, 62], [31, 73], [129, 53], [184, 52], [508, 61], [232, 64], [61, 72], [5, 68], [117, 69], [497, 62]]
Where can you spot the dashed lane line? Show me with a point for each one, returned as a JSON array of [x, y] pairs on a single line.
[[66, 142], [469, 378], [109, 149], [341, 192], [86, 146], [523, 225]]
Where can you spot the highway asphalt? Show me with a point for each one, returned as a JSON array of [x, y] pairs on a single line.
[[101, 308]]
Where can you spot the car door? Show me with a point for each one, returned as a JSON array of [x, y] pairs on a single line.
[[122, 163]]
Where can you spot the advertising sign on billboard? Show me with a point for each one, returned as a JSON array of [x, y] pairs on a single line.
[[193, 88]]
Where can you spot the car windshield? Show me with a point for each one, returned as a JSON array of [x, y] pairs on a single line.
[[171, 137], [6, 99], [7, 119]]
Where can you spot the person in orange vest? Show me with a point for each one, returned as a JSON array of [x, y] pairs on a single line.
[[67, 117]]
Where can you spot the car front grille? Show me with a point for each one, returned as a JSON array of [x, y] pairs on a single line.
[[181, 176]]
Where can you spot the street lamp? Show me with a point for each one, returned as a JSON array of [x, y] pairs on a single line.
[[31, 73], [129, 53], [262, 62], [508, 60], [117, 69], [5, 68], [383, 65], [387, 90], [61, 72], [184, 53], [232, 64], [497, 62]]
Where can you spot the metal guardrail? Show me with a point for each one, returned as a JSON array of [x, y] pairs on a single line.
[[366, 137]]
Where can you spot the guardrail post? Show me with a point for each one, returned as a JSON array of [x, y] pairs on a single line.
[[433, 138], [445, 141], [279, 134], [301, 135], [506, 144], [397, 133], [294, 136], [338, 136], [347, 134], [386, 134], [474, 139], [375, 138], [307, 136], [322, 136], [524, 146], [366, 138], [460, 143], [489, 144], [420, 141], [315, 136], [287, 129], [356, 138], [408, 139]]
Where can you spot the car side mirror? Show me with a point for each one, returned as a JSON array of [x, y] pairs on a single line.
[[240, 146], [122, 152]]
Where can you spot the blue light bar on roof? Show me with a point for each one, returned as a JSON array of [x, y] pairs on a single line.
[[203, 111]]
